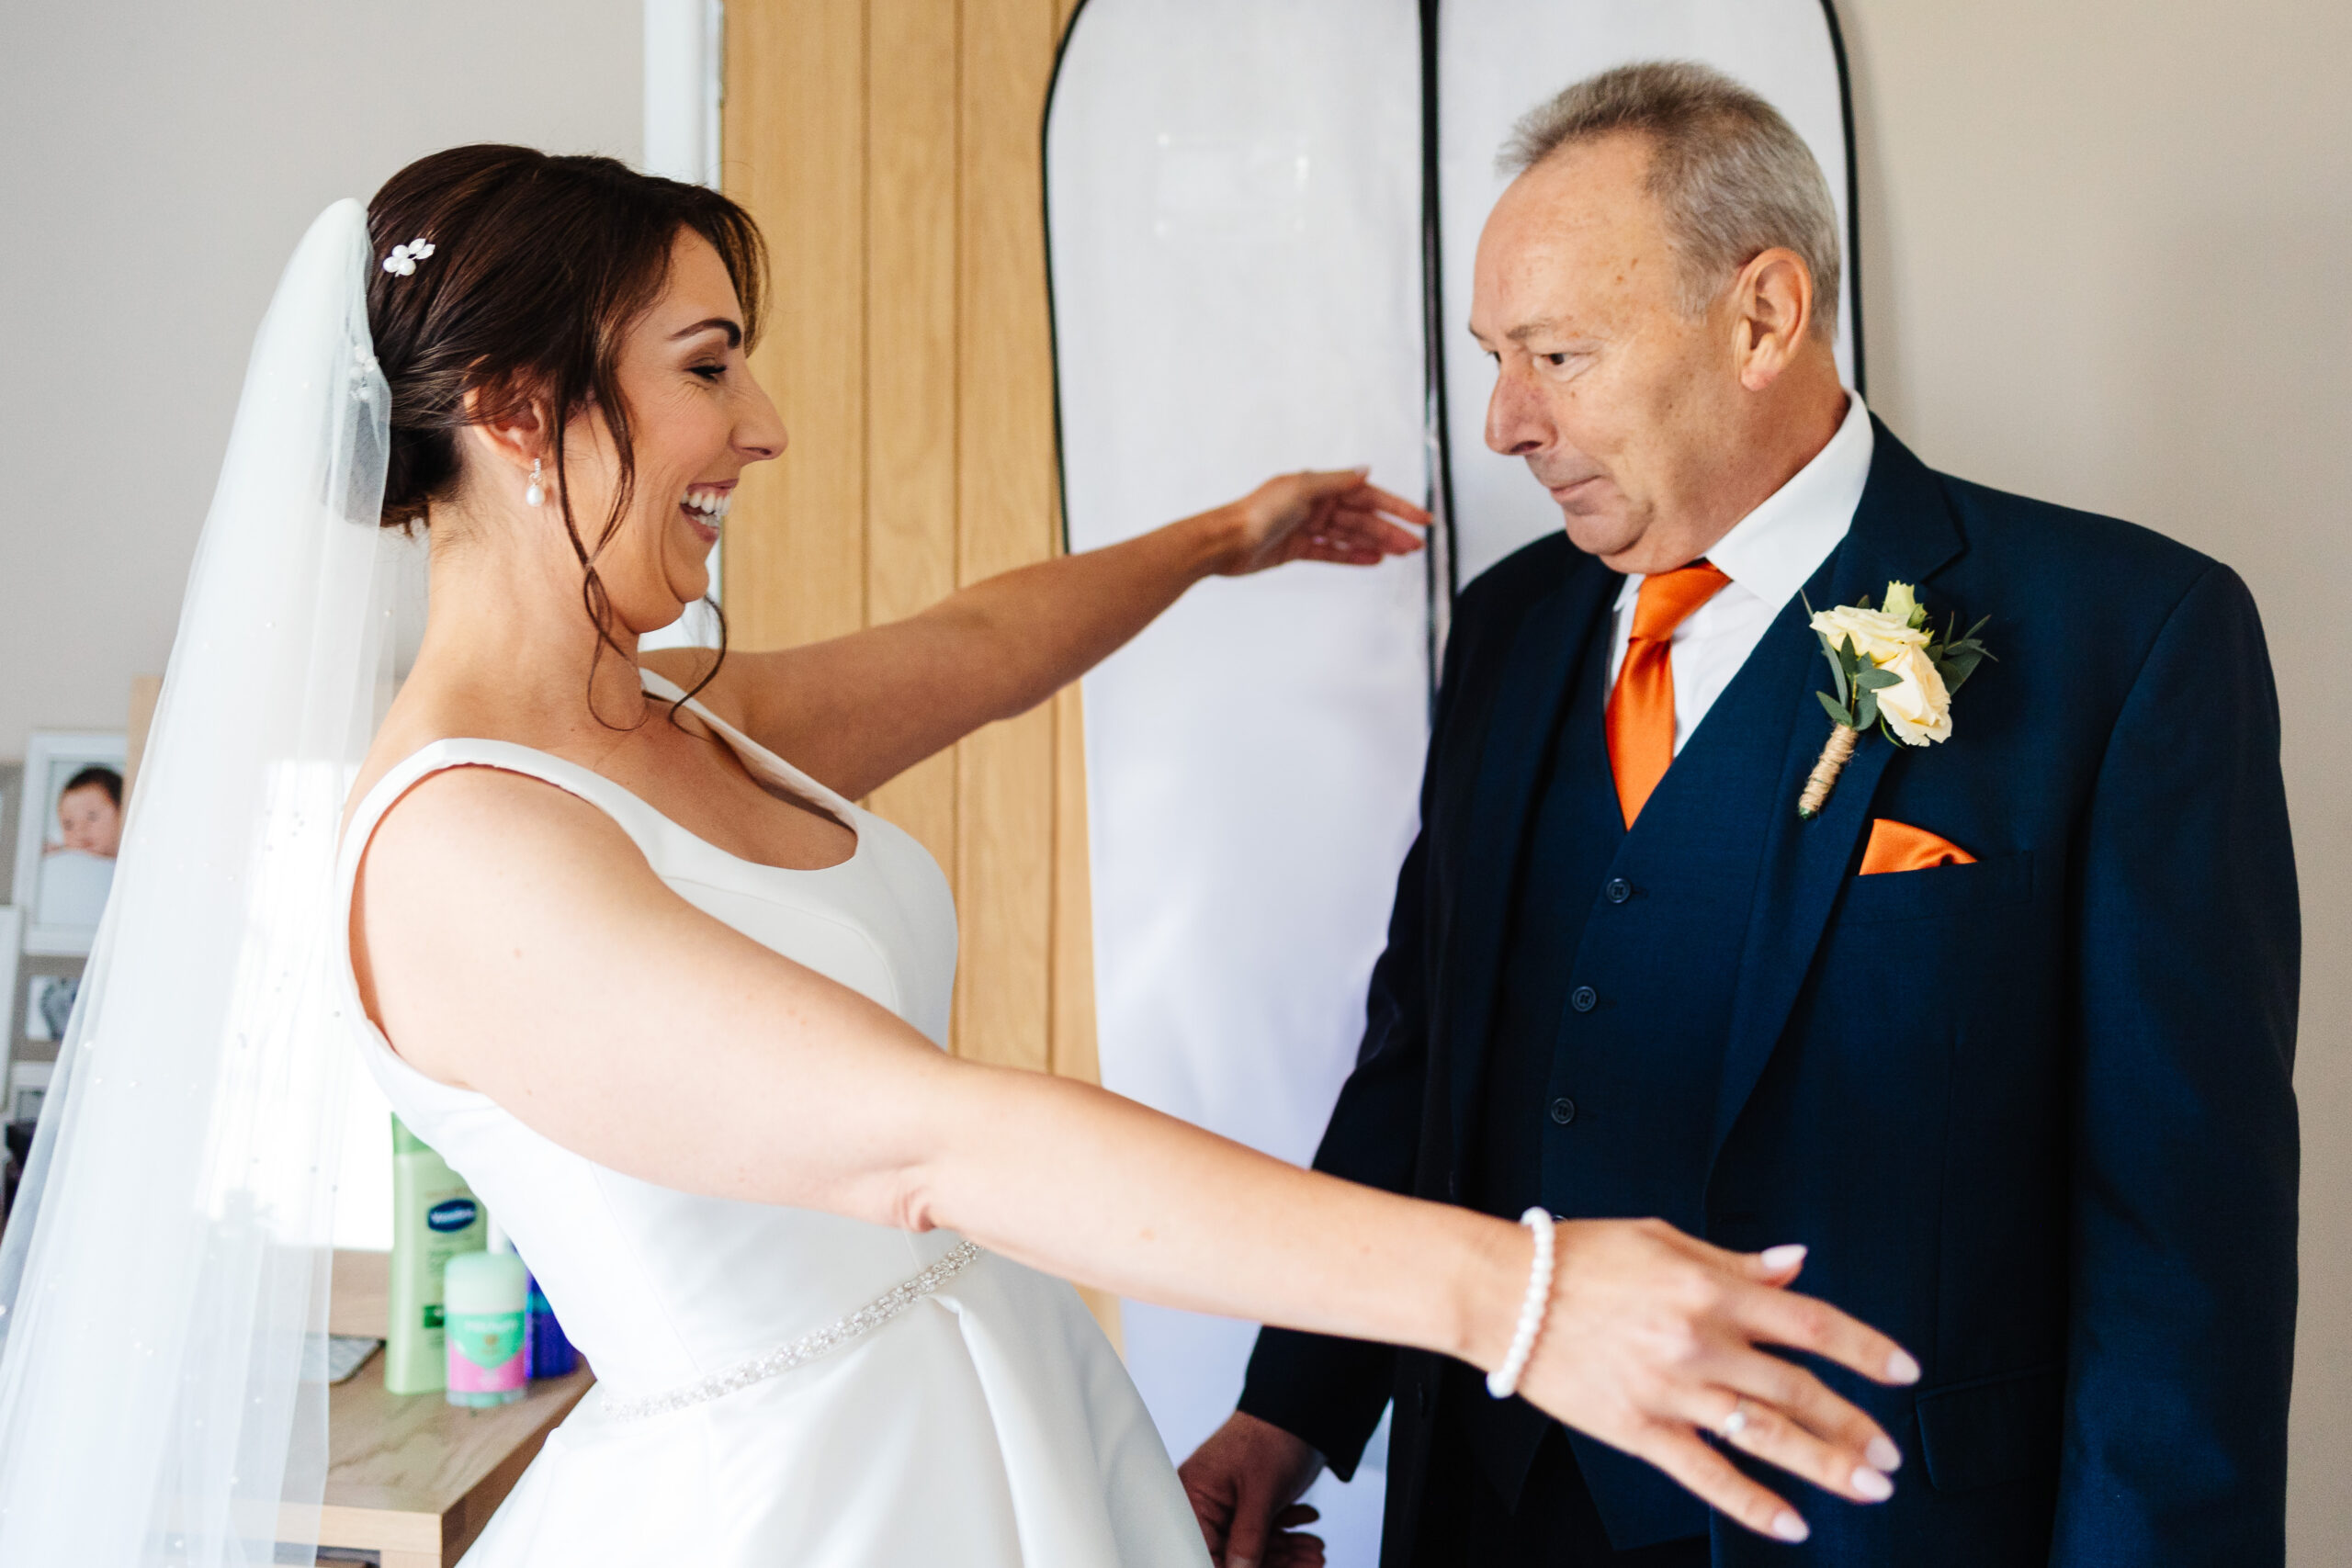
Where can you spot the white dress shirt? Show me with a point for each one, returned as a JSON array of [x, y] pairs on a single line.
[[1769, 555]]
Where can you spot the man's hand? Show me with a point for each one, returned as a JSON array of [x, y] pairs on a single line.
[[1243, 1482], [1332, 516]]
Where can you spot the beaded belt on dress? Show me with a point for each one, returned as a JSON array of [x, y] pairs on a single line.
[[801, 1351]]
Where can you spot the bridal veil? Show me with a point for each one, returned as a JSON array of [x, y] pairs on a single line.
[[167, 1261]]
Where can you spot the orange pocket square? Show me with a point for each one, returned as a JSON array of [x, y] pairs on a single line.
[[1898, 846]]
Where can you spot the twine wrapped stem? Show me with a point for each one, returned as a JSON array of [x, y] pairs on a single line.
[[1834, 757]]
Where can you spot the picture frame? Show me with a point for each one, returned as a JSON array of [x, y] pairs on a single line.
[[49, 1004], [27, 1086], [11, 943], [62, 883]]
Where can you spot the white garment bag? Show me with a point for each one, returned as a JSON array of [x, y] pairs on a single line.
[[1234, 191], [1243, 200]]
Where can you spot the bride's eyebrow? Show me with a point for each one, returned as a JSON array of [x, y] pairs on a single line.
[[733, 330]]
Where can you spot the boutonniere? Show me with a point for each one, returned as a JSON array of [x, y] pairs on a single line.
[[1893, 672]]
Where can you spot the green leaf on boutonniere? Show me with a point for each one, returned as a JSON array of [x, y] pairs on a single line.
[[1877, 680], [1838, 713], [1866, 710], [1957, 659]]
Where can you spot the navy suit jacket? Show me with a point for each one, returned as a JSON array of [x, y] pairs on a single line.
[[2033, 1115]]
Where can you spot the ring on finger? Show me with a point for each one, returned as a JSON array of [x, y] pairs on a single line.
[[1734, 1424]]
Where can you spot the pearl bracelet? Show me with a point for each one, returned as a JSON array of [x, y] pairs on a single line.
[[1503, 1381]]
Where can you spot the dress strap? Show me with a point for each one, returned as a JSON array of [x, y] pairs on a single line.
[[756, 757], [638, 820]]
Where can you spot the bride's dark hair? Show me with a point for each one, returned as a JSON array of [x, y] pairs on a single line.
[[539, 267]]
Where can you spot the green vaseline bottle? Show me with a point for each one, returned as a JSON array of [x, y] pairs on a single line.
[[489, 1354], [436, 1217]]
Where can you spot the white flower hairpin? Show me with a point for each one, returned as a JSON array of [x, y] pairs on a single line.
[[404, 259], [363, 371]]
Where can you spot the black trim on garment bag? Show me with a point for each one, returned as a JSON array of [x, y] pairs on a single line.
[[1441, 558], [1853, 198], [1046, 221]]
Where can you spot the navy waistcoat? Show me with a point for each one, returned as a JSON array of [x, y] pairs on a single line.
[[1606, 1054]]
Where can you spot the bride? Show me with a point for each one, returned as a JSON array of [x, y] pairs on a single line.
[[614, 937]]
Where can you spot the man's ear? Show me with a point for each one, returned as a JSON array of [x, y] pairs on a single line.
[[1772, 312]]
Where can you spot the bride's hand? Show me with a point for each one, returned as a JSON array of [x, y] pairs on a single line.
[[1651, 1341], [1331, 516]]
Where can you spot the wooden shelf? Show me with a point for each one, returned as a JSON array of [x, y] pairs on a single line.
[[411, 1476]]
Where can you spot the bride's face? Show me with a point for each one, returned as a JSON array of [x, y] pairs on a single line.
[[697, 418]]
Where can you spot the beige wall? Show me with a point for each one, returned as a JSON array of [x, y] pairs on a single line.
[[2108, 260], [158, 160]]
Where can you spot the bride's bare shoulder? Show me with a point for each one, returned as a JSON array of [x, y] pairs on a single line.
[[460, 826], [467, 813], [478, 811], [425, 715]]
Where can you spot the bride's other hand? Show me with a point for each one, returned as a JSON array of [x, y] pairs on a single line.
[[1336, 515], [1651, 1346]]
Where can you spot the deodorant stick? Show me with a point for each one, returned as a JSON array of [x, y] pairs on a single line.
[[484, 1297]]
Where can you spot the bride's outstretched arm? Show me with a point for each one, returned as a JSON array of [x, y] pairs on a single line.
[[858, 710], [511, 939]]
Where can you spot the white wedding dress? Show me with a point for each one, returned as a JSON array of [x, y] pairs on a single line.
[[988, 1424]]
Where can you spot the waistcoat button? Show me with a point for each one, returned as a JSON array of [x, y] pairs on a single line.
[[1618, 890], [1584, 999], [1564, 1110]]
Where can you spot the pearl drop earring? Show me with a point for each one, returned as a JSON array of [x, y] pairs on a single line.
[[536, 493]]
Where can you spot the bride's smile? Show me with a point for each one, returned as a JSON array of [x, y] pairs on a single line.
[[705, 507]]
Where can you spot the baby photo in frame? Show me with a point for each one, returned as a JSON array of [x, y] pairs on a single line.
[[69, 830]]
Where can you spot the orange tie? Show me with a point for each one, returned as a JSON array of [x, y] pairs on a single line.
[[1641, 709]]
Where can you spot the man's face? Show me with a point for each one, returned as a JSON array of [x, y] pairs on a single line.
[[1620, 402]]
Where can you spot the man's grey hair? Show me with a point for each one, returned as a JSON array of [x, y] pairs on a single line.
[[1733, 177]]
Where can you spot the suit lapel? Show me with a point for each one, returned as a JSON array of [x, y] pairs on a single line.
[[1521, 729], [1903, 529]]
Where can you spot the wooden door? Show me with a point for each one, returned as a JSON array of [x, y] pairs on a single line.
[[890, 150]]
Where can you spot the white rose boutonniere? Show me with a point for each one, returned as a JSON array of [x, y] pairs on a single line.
[[1893, 672]]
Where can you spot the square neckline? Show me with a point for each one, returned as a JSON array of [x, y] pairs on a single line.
[[756, 759]]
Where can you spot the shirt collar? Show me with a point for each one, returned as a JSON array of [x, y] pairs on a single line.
[[1775, 550]]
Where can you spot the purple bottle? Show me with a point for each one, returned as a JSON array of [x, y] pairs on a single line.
[[551, 1354]]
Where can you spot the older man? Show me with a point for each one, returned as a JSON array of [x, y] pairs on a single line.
[[2002, 1032]]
